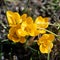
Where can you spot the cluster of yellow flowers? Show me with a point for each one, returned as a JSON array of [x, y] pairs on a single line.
[[22, 26]]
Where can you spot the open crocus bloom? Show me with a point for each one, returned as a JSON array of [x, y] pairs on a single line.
[[30, 27], [13, 36], [42, 23], [13, 18], [45, 43]]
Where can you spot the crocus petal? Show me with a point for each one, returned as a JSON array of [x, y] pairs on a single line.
[[21, 32], [46, 47], [22, 40]]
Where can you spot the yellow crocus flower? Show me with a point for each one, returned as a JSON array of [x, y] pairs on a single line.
[[42, 23], [45, 43], [31, 28], [13, 18], [13, 36]]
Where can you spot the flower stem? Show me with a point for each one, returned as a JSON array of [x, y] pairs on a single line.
[[39, 55], [32, 49], [52, 32], [11, 54], [48, 57], [55, 24]]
